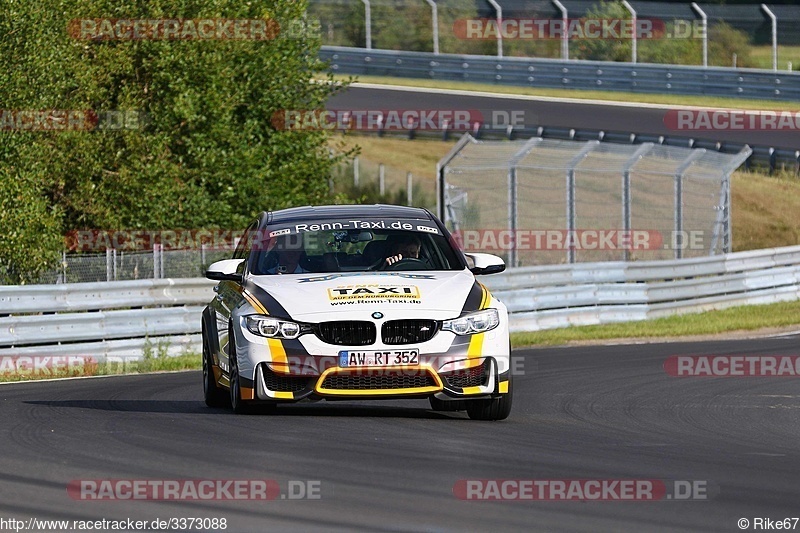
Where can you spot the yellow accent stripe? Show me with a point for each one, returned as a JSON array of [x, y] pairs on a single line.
[[283, 395], [503, 387], [471, 390], [276, 348], [278, 353], [487, 296], [252, 300], [475, 348], [378, 392]]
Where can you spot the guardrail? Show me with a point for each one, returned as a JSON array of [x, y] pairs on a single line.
[[117, 318], [755, 84], [547, 297]]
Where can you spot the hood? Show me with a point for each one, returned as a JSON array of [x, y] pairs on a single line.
[[356, 295]]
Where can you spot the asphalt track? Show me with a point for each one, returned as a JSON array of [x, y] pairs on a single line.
[[580, 413], [594, 116]]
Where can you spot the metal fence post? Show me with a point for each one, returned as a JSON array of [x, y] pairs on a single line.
[[774, 21], [355, 171], [635, 38], [381, 178], [499, 11], [435, 17], [626, 192], [368, 23], [565, 32], [156, 260], [677, 239], [704, 19], [724, 214], [441, 167], [513, 196], [409, 189], [108, 264], [588, 147]]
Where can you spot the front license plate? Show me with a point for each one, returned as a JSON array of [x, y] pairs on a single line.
[[351, 358]]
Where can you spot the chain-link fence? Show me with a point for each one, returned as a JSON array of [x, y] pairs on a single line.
[[117, 265], [546, 201]]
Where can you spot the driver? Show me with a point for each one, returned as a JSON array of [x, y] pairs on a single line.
[[404, 247], [289, 255]]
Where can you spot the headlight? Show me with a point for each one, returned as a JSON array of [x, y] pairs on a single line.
[[272, 327], [478, 322]]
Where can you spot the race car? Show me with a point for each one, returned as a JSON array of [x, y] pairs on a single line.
[[355, 303]]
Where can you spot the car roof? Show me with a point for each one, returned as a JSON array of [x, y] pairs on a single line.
[[322, 212]]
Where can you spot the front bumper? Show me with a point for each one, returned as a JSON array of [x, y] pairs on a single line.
[[462, 379]]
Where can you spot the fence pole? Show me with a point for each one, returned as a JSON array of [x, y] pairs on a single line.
[[704, 19], [626, 193], [381, 178], [368, 23], [588, 147], [441, 182], [409, 189], [513, 196], [435, 17], [499, 11], [635, 37], [774, 20], [680, 171], [355, 171], [565, 30], [108, 264]]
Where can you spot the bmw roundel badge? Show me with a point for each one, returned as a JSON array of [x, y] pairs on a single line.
[[377, 314]]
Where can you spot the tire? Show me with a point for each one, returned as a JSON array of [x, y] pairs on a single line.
[[212, 393], [492, 409], [447, 406]]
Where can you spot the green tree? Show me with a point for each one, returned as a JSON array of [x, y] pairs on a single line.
[[208, 154]]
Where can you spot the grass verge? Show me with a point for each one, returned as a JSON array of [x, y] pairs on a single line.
[[611, 96], [735, 319], [87, 366]]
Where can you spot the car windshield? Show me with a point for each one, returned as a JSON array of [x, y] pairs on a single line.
[[353, 246]]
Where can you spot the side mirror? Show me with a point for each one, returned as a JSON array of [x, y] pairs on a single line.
[[225, 270], [485, 264]]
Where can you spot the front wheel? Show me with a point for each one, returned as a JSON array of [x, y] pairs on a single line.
[[491, 409]]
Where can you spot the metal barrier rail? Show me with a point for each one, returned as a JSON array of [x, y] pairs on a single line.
[[598, 293], [96, 319], [534, 72]]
